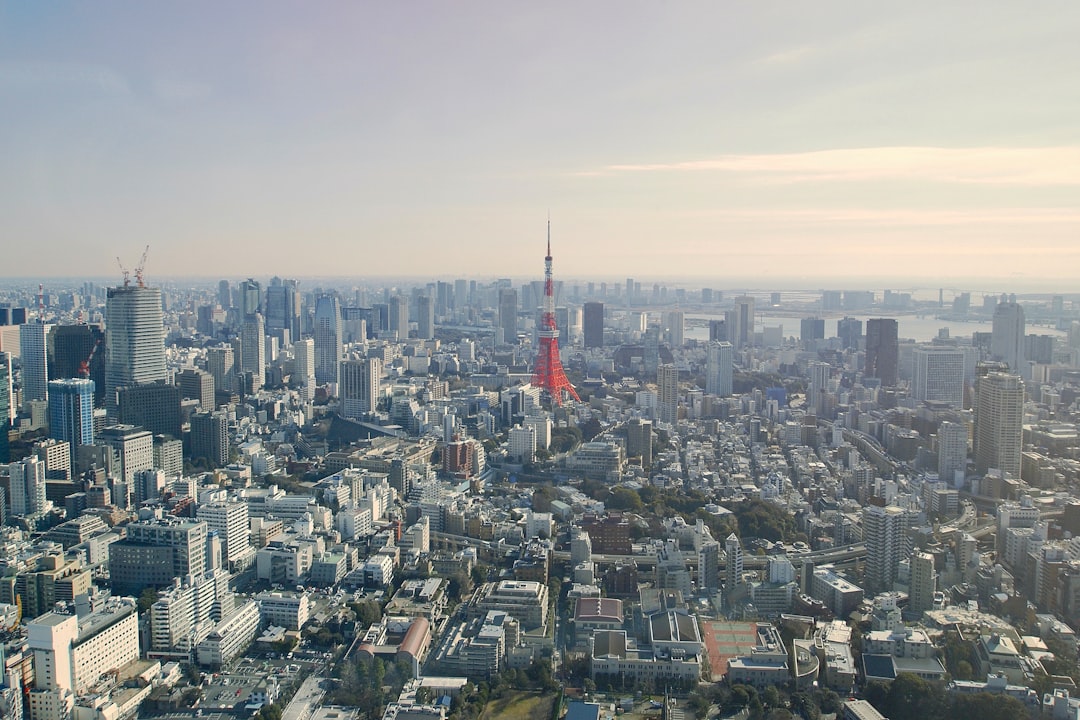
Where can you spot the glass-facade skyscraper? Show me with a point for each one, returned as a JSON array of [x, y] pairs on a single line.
[[134, 340], [71, 411]]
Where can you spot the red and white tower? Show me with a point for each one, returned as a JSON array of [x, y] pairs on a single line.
[[548, 372]]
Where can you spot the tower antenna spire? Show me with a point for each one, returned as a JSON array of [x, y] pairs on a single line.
[[548, 373]]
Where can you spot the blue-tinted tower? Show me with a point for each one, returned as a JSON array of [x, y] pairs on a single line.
[[71, 411]]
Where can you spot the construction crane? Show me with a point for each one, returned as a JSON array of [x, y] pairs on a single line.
[[84, 366], [141, 267], [127, 275]]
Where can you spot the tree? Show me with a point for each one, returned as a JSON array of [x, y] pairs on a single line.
[[912, 698], [622, 498], [147, 597], [770, 696], [590, 429]]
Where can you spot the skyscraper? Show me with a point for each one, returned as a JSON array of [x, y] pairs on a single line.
[[849, 331], [425, 318], [27, 482], [718, 368], [952, 446], [734, 568], [210, 439], [250, 294], [639, 440], [327, 338], [359, 387], [33, 357], [253, 349], [508, 307], [938, 374], [741, 325], [399, 316], [923, 582], [548, 373], [818, 391], [220, 363], [883, 529], [71, 412], [134, 340], [152, 406], [7, 409], [674, 325], [667, 383], [593, 324], [133, 446], [283, 309], [1007, 337], [70, 346], [197, 385], [999, 417], [303, 375], [882, 350]]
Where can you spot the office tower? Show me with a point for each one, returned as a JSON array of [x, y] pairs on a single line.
[[72, 345], [169, 455], [425, 318], [155, 552], [303, 374], [224, 294], [253, 350], [358, 391], [923, 582], [719, 357], [71, 412], [220, 362], [593, 324], [354, 324], [197, 385], [999, 416], [134, 340], [1007, 336], [508, 308], [33, 358], [230, 520], [327, 339], [155, 407], [938, 374], [718, 331], [132, 448], [818, 391], [667, 386], [741, 324], [810, 331], [461, 294], [883, 534], [674, 325], [27, 486], [210, 439], [7, 405], [952, 446], [849, 331], [733, 569], [249, 294], [882, 350], [56, 454], [398, 321], [283, 309], [639, 440]]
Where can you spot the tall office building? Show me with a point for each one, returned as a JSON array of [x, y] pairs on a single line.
[[1007, 336], [155, 552], [849, 331], [132, 448], [210, 439], [667, 386], [999, 418], [741, 322], [197, 385], [134, 340], [7, 405], [27, 485], [71, 412], [508, 308], [883, 534], [154, 407], [253, 350], [882, 350], [719, 357], [33, 358], [952, 447], [358, 392], [810, 331], [639, 440], [425, 318], [938, 374], [818, 391], [303, 374], [72, 345], [327, 338], [283, 309], [674, 326], [249, 293], [593, 324], [399, 316], [230, 520], [224, 294], [220, 363]]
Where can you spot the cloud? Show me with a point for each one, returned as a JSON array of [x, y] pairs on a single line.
[[1034, 166]]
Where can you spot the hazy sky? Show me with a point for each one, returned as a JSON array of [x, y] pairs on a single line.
[[667, 139]]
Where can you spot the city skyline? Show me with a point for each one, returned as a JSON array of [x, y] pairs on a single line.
[[695, 140]]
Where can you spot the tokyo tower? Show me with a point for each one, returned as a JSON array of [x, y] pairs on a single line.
[[548, 373]]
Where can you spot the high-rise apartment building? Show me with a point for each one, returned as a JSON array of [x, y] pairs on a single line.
[[733, 570], [667, 387], [230, 520], [134, 340], [27, 486], [999, 418], [938, 374], [1007, 336], [358, 392], [639, 440], [253, 349], [674, 326], [923, 582], [593, 324], [210, 439], [818, 390], [327, 338], [719, 371], [7, 405], [883, 533], [33, 358], [952, 447], [882, 350], [399, 316]]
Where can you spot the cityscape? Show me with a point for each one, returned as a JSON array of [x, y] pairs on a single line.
[[426, 361]]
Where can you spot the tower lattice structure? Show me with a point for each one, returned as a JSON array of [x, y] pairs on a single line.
[[548, 373]]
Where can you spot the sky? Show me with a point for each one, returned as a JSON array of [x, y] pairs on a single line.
[[917, 141]]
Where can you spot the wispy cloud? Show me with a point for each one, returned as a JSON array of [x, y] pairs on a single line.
[[1035, 166]]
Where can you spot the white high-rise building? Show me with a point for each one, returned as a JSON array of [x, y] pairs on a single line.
[[134, 340], [132, 447], [33, 358], [253, 349], [719, 357], [522, 443], [938, 374], [883, 534], [999, 418], [27, 486], [230, 519], [667, 385], [359, 387], [327, 338], [952, 444], [818, 400], [734, 569], [923, 582], [1007, 336]]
